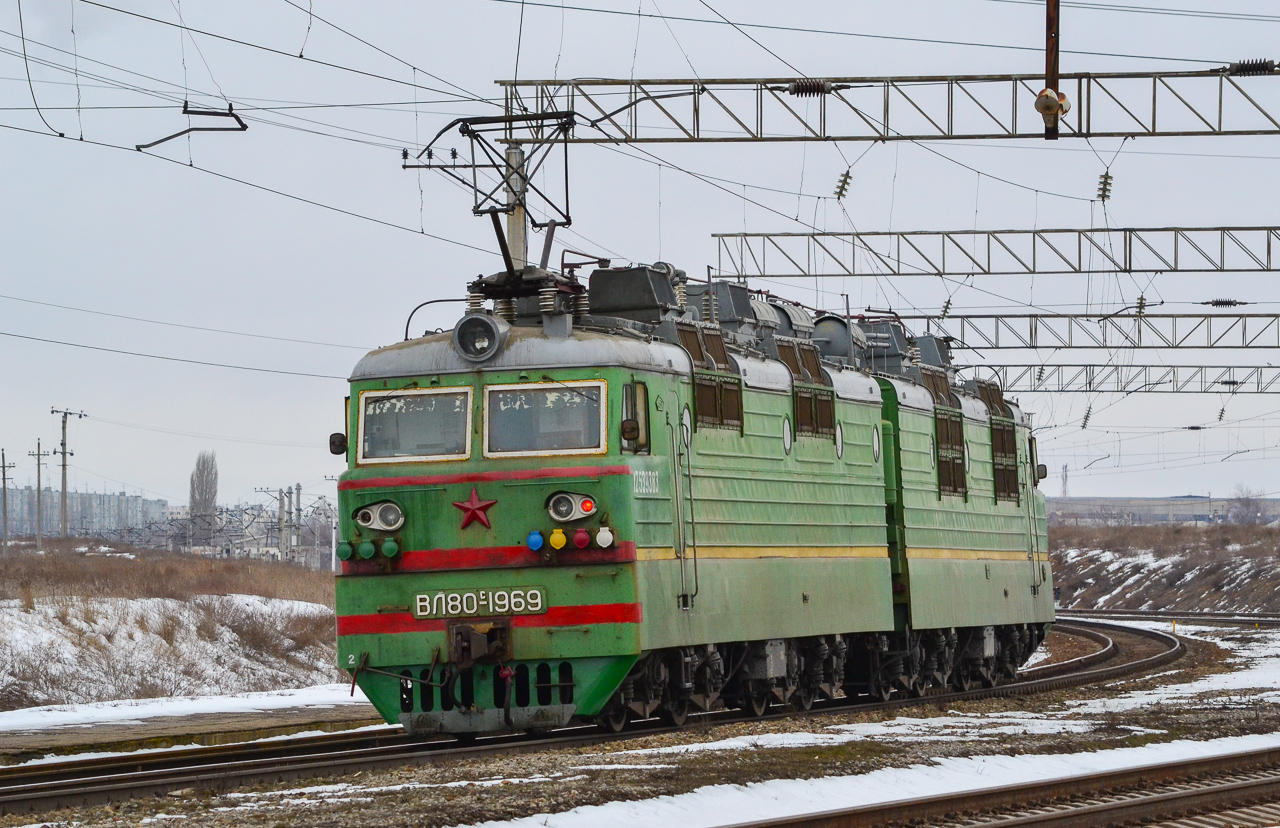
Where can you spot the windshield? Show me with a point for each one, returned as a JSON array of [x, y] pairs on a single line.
[[559, 419], [428, 424]]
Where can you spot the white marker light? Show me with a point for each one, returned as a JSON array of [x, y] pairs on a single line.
[[604, 537]]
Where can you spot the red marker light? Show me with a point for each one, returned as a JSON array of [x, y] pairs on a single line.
[[581, 539], [588, 505]]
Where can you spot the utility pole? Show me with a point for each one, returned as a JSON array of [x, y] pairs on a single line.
[[1064, 479], [4, 504], [517, 238], [1051, 103], [281, 532], [297, 515], [39, 455], [62, 523]]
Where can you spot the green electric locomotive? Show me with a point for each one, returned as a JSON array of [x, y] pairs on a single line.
[[640, 496]]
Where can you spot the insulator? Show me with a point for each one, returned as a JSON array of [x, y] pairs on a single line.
[[505, 309], [1104, 186], [946, 308], [581, 305], [1040, 375], [809, 88], [1087, 414], [404, 155], [842, 186], [475, 302], [1224, 303], [1142, 304], [682, 295], [1222, 413], [1252, 67], [547, 299], [453, 154], [913, 354]]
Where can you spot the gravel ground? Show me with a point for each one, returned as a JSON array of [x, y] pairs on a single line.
[[827, 744]]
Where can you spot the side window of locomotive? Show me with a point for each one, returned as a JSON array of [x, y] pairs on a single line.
[[428, 424], [635, 409], [545, 418]]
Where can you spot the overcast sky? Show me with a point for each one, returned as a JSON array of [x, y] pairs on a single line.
[[188, 239]]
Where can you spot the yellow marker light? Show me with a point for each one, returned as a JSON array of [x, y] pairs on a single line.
[[558, 540]]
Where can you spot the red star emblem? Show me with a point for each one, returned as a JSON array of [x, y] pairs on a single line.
[[474, 509]]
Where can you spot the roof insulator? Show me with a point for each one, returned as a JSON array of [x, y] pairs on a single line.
[[842, 185], [810, 88], [1252, 67], [1104, 186]]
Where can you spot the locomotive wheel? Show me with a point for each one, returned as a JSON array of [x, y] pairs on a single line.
[[961, 680], [613, 718], [755, 700], [674, 713], [802, 698], [879, 689]]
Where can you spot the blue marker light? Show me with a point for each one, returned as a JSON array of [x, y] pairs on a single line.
[[534, 540]]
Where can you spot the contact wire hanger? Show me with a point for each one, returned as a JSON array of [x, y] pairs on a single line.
[[214, 113]]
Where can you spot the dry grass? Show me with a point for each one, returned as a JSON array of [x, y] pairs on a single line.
[[1222, 567], [1169, 540], [63, 572]]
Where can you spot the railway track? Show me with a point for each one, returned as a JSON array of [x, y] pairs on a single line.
[[1263, 619], [42, 787], [1232, 791]]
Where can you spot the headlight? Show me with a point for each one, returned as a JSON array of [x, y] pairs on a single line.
[[384, 517], [390, 516], [479, 336], [567, 506]]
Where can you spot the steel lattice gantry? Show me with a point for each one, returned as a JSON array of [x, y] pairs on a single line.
[[1127, 331], [1211, 102], [1000, 252], [1129, 379]]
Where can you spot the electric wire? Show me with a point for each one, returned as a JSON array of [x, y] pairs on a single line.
[[466, 92], [27, 65], [273, 191], [183, 326], [803, 30], [170, 358], [1154, 10], [270, 50]]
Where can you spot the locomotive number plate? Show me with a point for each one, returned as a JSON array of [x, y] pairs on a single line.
[[462, 603]]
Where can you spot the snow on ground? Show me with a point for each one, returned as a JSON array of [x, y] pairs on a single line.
[[720, 806], [1257, 672], [132, 711], [79, 650]]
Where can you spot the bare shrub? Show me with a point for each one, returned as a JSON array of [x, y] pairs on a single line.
[[206, 619], [258, 632], [170, 625], [27, 598], [306, 631]]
